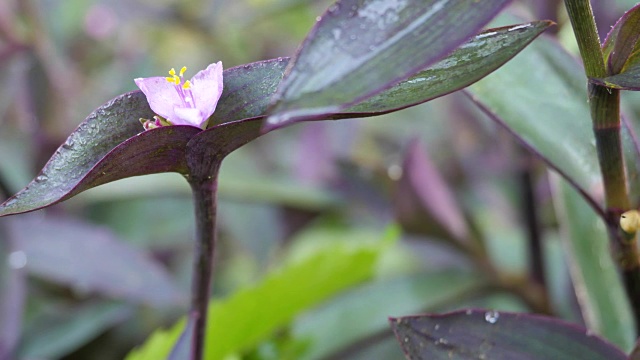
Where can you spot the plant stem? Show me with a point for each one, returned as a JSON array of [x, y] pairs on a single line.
[[205, 198], [532, 220], [605, 114]]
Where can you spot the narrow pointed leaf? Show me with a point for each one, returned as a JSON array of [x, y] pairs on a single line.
[[603, 302], [622, 41], [480, 334], [360, 48], [424, 203], [627, 80]]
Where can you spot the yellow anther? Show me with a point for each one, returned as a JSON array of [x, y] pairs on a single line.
[[184, 68], [172, 72], [173, 79], [186, 85]]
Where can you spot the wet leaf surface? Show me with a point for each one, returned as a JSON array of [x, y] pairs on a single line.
[[360, 48], [488, 334]]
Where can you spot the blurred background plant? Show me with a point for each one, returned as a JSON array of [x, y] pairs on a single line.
[[300, 209]]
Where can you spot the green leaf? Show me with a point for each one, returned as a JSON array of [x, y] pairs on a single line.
[[58, 330], [601, 295], [348, 318], [545, 108], [469, 63], [479, 334], [252, 314], [359, 48]]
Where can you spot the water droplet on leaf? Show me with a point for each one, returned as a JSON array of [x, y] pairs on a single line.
[[42, 178], [491, 317]]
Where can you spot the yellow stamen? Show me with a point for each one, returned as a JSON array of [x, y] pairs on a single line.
[[184, 68], [173, 79], [186, 85], [172, 72]]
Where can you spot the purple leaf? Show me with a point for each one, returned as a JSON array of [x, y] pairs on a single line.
[[622, 41], [91, 259], [481, 334], [360, 48], [424, 202]]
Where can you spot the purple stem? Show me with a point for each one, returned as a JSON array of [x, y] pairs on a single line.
[[205, 198]]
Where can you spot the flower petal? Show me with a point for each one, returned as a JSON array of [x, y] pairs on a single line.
[[207, 88], [188, 116], [161, 95]]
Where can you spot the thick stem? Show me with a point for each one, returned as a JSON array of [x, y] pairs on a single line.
[[584, 27], [605, 114], [204, 196], [605, 110]]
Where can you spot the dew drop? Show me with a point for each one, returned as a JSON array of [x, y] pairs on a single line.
[[491, 317], [468, 312], [68, 144], [441, 341], [42, 178]]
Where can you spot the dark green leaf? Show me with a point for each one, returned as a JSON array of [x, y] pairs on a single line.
[[627, 80], [598, 287], [546, 108], [58, 330], [360, 48], [479, 334]]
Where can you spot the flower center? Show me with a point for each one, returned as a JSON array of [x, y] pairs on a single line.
[[183, 88]]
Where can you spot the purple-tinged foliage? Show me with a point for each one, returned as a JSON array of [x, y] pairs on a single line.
[[488, 334], [91, 260], [360, 48], [424, 203], [109, 144], [622, 53], [622, 41]]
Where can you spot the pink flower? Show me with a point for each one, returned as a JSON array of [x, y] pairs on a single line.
[[181, 102]]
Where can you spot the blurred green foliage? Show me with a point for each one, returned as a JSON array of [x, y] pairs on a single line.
[[313, 191]]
